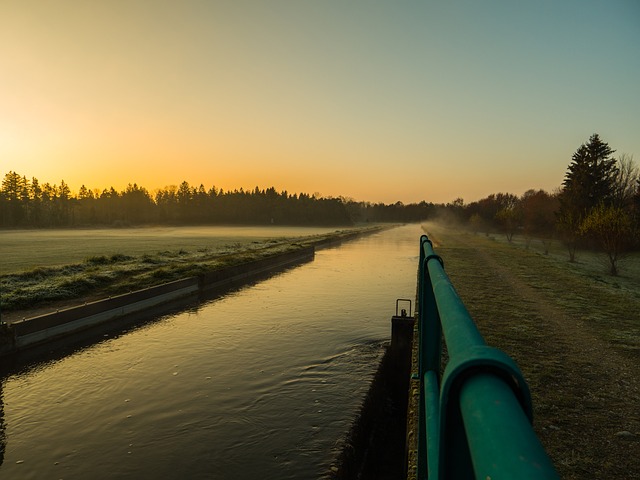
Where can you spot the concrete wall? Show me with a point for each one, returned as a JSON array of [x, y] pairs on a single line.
[[38, 329], [235, 274]]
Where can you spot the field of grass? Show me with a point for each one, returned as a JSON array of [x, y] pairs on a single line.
[[593, 266], [66, 266], [24, 250], [609, 305], [575, 333]]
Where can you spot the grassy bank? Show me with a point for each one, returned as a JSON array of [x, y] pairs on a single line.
[[574, 332], [104, 275], [607, 306], [28, 249]]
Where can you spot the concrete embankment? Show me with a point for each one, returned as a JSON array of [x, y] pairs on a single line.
[[375, 448], [35, 331]]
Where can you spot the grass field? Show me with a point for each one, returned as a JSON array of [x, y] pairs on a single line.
[[24, 250], [575, 333], [591, 265]]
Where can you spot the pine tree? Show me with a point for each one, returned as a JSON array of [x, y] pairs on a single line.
[[15, 196], [590, 178]]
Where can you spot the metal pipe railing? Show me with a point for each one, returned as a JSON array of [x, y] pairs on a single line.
[[475, 417]]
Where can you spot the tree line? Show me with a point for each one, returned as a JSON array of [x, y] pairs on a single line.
[[597, 206], [26, 203]]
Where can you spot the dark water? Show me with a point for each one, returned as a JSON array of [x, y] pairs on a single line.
[[261, 383]]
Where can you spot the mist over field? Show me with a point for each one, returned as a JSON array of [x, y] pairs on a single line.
[[27, 249]]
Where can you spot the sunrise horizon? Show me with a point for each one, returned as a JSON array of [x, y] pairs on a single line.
[[75, 183], [375, 103]]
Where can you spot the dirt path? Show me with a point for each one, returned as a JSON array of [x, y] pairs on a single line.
[[586, 395]]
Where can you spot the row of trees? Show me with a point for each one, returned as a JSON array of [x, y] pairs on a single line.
[[598, 205], [27, 203]]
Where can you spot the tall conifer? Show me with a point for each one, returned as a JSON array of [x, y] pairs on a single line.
[[590, 178]]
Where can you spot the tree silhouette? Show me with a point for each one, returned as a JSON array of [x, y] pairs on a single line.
[[590, 178], [25, 203]]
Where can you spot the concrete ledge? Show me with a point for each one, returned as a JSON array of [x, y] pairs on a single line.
[[375, 446], [153, 296], [40, 329], [236, 273]]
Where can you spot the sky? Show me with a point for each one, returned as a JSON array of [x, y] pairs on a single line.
[[379, 101]]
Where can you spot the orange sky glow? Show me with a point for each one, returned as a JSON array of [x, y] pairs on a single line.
[[379, 101]]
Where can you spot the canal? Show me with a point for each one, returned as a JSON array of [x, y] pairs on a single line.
[[263, 382]]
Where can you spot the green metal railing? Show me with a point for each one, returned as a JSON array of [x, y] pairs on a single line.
[[475, 418]]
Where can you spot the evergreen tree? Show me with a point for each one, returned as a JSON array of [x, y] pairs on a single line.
[[35, 194], [590, 178], [15, 195], [64, 205]]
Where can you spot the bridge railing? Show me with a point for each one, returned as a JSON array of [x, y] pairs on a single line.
[[475, 417]]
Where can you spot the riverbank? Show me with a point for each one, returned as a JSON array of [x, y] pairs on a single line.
[[46, 288], [29, 330]]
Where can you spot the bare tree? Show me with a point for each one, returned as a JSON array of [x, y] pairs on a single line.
[[625, 181], [611, 227], [539, 216]]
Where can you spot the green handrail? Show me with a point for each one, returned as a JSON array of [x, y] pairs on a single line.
[[475, 418]]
